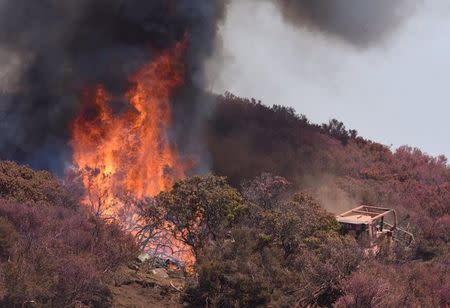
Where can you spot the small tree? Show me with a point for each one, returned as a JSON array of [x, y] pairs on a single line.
[[336, 129], [297, 222], [198, 209]]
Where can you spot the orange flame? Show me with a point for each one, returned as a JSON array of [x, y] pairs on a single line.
[[129, 151]]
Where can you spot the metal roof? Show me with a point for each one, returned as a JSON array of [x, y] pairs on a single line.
[[363, 215]]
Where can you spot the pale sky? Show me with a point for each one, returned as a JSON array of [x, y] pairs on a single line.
[[396, 93]]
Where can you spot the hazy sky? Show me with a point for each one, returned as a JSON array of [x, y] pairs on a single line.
[[395, 93]]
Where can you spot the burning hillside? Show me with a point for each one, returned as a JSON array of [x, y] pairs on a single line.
[[116, 91]]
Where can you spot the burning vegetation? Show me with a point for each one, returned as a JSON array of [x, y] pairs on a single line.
[[124, 157], [115, 91], [129, 151], [268, 241]]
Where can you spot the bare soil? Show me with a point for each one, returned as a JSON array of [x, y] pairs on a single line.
[[142, 286]]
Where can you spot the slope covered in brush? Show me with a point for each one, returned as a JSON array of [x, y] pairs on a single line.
[[341, 170], [266, 235], [53, 253]]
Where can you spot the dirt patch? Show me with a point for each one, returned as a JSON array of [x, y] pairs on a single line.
[[140, 285], [137, 296]]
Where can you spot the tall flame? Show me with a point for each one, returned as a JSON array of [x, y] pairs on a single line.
[[130, 151]]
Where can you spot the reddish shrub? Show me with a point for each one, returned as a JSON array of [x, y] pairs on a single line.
[[23, 184], [61, 256], [8, 237], [79, 281]]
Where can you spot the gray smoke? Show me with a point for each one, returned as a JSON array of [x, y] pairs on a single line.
[[72, 44], [363, 23], [62, 47]]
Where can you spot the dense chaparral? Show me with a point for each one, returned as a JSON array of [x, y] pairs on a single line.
[[265, 235]]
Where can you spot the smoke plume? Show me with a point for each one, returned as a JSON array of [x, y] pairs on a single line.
[[62, 47], [71, 44], [362, 23]]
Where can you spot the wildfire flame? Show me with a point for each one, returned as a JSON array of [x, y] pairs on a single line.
[[130, 151]]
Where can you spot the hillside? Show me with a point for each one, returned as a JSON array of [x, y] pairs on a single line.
[[343, 170], [262, 228], [339, 167]]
